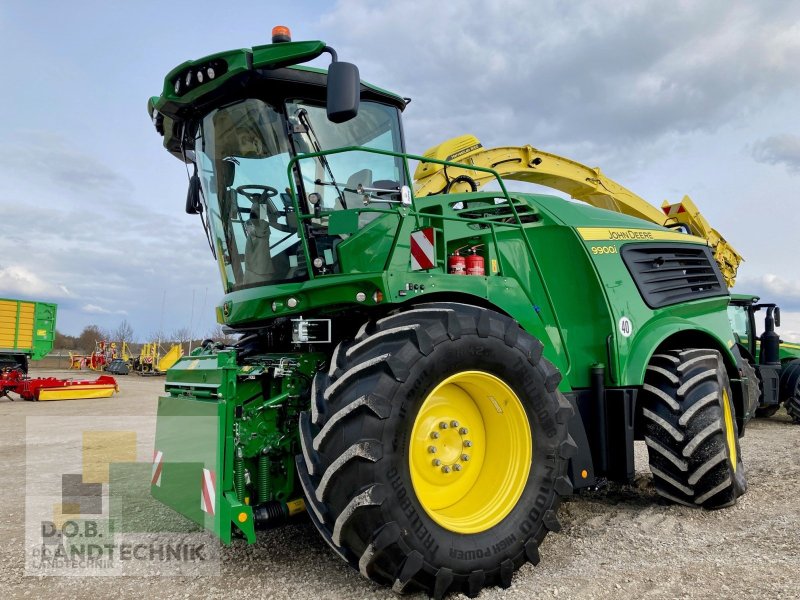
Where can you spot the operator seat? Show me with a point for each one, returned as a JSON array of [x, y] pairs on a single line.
[[257, 259], [352, 198]]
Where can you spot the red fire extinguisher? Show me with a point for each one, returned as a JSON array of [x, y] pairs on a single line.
[[475, 263], [457, 264]]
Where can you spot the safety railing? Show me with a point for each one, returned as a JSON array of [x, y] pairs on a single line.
[[410, 210]]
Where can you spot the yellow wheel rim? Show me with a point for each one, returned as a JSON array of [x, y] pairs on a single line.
[[470, 452], [730, 436]]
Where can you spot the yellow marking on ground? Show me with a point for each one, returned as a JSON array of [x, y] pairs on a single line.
[[100, 448]]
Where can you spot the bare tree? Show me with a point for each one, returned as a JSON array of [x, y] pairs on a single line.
[[158, 336], [219, 334], [88, 337], [123, 333], [182, 336], [64, 341]]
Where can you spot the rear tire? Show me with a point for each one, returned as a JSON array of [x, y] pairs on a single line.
[[362, 462], [690, 429], [790, 389]]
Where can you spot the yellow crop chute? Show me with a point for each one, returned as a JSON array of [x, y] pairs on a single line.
[[587, 184]]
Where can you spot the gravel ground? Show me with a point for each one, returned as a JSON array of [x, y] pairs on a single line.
[[620, 541]]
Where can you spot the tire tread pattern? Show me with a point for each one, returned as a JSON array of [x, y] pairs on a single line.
[[685, 429], [385, 349]]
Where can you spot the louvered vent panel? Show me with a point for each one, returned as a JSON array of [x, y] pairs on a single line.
[[669, 274]]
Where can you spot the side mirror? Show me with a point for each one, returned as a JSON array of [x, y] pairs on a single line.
[[193, 204], [777, 317], [344, 91]]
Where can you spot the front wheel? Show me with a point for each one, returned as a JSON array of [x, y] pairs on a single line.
[[690, 429], [436, 452]]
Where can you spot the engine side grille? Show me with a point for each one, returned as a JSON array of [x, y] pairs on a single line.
[[669, 274]]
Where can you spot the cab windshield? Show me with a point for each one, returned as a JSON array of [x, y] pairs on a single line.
[[336, 177], [242, 153], [739, 319]]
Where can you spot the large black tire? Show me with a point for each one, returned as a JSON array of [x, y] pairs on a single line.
[[354, 467], [790, 389], [693, 448]]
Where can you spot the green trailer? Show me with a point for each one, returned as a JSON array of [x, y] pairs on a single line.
[[428, 376], [27, 332]]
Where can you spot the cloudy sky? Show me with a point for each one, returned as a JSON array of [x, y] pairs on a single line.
[[668, 98]]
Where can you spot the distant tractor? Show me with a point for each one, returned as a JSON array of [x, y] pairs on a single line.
[[427, 376], [777, 363]]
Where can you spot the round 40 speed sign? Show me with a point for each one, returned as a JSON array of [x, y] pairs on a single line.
[[625, 327]]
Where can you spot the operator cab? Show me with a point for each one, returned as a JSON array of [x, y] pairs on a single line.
[[243, 152], [254, 135], [741, 314], [762, 352]]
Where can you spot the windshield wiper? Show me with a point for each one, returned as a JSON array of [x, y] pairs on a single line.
[[302, 115]]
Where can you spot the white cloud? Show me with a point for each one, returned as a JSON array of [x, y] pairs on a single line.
[[17, 280], [779, 149], [44, 156], [785, 293], [779, 290], [614, 73], [93, 309], [773, 288], [790, 327]]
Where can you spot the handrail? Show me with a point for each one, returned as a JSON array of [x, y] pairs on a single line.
[[413, 209]]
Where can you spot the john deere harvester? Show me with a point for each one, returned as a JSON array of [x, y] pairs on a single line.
[[426, 376]]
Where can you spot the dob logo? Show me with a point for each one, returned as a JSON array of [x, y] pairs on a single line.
[[105, 521], [82, 494]]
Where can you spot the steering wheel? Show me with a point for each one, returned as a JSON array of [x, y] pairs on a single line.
[[251, 192], [263, 194]]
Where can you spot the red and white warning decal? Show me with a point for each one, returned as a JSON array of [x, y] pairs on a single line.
[[423, 249], [673, 209], [158, 464], [208, 492]]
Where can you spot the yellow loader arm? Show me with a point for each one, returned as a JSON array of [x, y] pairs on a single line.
[[526, 163]]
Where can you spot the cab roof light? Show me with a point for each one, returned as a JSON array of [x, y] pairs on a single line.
[[196, 76], [280, 34]]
